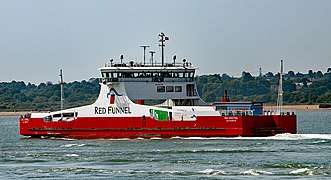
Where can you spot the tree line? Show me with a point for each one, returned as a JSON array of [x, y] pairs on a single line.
[[298, 88], [18, 96]]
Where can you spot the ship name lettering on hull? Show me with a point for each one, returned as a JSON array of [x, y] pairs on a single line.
[[112, 110]]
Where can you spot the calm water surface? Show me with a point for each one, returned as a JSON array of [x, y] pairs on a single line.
[[304, 155]]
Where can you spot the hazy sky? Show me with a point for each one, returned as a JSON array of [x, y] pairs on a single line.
[[39, 37]]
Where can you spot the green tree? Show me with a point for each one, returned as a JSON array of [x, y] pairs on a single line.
[[246, 76]]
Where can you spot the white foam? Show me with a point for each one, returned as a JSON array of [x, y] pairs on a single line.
[[117, 139], [288, 136], [285, 136], [175, 137], [212, 172], [72, 155], [200, 138], [156, 138], [71, 145], [302, 171], [254, 172], [319, 142], [68, 145], [68, 139], [171, 172]]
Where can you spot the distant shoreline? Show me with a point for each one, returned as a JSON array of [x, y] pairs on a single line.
[[266, 107], [11, 113], [296, 107]]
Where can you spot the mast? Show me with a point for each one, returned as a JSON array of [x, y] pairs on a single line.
[[152, 55], [162, 40], [280, 89], [61, 85], [144, 47]]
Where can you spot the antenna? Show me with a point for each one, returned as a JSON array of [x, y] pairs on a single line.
[[162, 40], [144, 46], [111, 61], [152, 54], [260, 72], [280, 89], [61, 85], [121, 58]]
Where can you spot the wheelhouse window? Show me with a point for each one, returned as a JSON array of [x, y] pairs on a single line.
[[166, 74], [149, 74], [106, 74], [191, 74], [170, 89], [178, 88], [135, 75], [160, 88], [127, 75]]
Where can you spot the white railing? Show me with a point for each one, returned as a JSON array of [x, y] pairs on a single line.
[[237, 113]]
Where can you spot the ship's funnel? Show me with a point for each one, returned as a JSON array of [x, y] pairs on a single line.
[[225, 97]]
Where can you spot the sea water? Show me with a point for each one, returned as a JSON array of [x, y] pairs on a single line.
[[288, 156]]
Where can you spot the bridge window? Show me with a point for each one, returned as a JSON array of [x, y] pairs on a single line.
[[178, 88], [156, 74], [127, 75], [160, 88], [187, 74], [170, 89], [135, 75], [191, 74], [166, 74], [148, 75], [105, 75]]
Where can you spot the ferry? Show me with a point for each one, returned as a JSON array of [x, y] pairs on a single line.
[[123, 108]]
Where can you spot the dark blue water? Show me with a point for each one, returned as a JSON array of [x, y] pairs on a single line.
[[305, 155]]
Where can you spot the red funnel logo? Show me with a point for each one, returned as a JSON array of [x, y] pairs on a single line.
[[112, 95]]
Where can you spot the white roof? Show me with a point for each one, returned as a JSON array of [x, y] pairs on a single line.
[[144, 68]]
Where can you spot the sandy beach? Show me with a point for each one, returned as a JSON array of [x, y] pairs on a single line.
[[11, 113]]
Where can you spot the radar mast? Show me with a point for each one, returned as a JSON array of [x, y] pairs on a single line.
[[280, 89]]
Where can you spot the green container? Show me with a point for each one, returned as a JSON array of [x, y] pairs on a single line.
[[161, 115]]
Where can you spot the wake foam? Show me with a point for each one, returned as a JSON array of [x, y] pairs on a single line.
[[254, 172], [302, 171], [288, 136], [213, 172], [71, 145], [285, 136], [72, 155]]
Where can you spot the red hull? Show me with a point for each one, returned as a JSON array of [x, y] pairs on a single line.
[[135, 127]]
